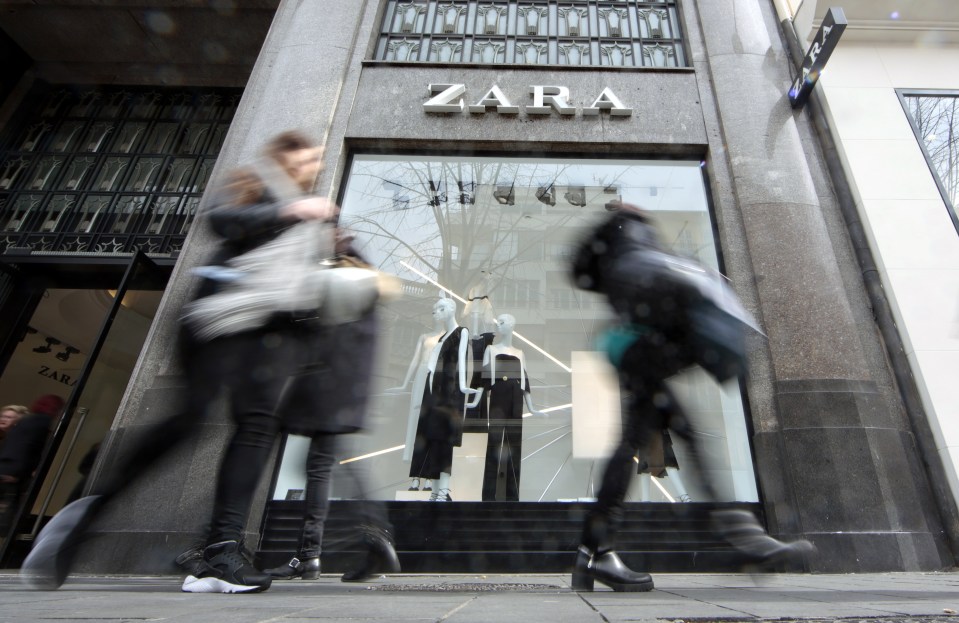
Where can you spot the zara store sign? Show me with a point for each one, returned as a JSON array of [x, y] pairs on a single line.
[[449, 98]]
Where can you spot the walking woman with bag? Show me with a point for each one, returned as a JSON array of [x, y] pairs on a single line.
[[328, 399], [252, 361]]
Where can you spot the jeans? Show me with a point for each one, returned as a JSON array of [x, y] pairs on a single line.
[[366, 517], [319, 468]]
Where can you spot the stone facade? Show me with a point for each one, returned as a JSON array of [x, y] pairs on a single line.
[[835, 456]]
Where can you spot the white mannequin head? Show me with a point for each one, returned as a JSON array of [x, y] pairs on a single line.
[[505, 324], [443, 310]]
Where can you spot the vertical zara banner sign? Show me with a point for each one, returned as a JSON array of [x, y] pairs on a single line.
[[833, 25]]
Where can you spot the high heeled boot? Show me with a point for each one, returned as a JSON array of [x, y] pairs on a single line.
[[608, 569], [380, 557], [743, 531], [302, 568]]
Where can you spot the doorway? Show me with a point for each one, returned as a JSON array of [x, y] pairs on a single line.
[[81, 344]]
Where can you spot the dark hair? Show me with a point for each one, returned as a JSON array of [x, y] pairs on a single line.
[[291, 140]]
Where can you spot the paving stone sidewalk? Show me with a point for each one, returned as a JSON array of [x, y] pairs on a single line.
[[880, 598]]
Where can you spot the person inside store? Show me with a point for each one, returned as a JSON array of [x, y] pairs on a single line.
[[21, 453], [249, 357], [9, 416], [666, 323]]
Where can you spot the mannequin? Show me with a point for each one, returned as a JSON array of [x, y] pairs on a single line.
[[661, 463], [445, 391], [417, 373], [478, 316], [507, 389]]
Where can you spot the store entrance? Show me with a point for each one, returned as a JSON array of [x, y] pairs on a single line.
[[80, 343]]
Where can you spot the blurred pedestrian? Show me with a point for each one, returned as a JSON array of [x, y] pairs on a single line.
[[328, 399], [253, 364], [666, 323]]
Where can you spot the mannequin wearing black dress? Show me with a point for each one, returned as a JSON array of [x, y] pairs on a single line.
[[440, 425]]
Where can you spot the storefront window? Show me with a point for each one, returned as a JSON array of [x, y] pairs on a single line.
[[934, 116], [494, 235]]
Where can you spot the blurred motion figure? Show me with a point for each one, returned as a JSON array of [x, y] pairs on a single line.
[[252, 362], [672, 314]]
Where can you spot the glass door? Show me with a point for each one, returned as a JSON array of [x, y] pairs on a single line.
[[81, 344]]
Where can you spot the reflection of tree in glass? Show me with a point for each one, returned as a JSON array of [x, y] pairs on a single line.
[[937, 120], [442, 217]]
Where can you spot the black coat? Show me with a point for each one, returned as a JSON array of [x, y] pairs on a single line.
[[331, 392], [24, 446]]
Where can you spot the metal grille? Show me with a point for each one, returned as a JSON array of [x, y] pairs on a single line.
[[108, 170], [589, 33]]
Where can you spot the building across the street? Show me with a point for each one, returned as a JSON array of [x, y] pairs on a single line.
[[469, 143]]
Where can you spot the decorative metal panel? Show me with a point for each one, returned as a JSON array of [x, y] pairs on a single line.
[[107, 170], [532, 32]]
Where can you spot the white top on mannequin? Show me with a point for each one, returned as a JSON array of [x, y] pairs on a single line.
[[504, 331]]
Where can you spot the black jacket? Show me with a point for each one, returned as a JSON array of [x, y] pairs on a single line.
[[623, 259], [23, 447]]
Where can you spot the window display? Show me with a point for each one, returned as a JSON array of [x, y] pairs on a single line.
[[488, 381]]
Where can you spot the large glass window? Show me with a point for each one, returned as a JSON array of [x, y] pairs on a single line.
[[494, 234], [934, 116]]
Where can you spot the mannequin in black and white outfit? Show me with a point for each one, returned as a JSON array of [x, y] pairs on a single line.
[[440, 424], [507, 389]]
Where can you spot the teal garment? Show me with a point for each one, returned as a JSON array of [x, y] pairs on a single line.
[[615, 341]]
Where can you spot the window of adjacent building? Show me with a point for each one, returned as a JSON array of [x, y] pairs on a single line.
[[935, 120], [108, 169], [532, 32], [494, 234]]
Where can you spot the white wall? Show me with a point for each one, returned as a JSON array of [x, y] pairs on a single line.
[[913, 238]]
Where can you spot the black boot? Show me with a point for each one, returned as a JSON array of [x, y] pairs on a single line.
[[742, 530], [380, 558], [302, 568], [608, 569]]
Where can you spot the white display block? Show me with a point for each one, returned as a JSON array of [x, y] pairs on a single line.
[[413, 496], [469, 462], [597, 422]]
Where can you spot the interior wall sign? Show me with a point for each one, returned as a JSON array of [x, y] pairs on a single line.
[[448, 98], [832, 27]]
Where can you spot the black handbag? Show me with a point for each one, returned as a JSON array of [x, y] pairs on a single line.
[[717, 341]]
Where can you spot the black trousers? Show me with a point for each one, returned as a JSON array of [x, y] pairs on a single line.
[[504, 449], [253, 369], [365, 516], [319, 471], [649, 407]]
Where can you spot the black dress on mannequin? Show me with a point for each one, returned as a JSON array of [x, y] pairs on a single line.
[[478, 415], [440, 426], [505, 447]]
